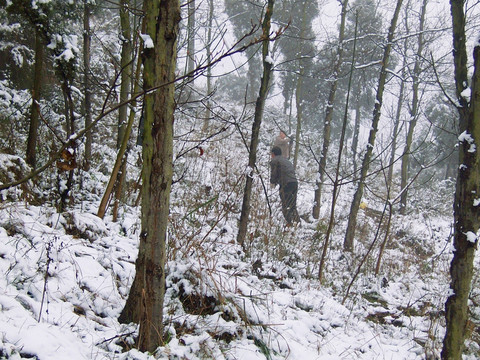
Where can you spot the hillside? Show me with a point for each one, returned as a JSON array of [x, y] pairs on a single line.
[[67, 275]]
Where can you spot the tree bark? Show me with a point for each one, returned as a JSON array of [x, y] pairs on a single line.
[[259, 106], [31, 155], [466, 204], [145, 302], [348, 243]]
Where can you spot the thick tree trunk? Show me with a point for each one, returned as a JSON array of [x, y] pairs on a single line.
[[466, 207], [327, 124], [348, 243], [145, 302], [259, 106], [31, 155]]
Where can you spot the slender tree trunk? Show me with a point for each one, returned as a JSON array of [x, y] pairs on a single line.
[[389, 179], [466, 204], [336, 182], [356, 133], [123, 148], [145, 302], [119, 188], [299, 106], [86, 83], [126, 68], [65, 191], [327, 124], [125, 87], [386, 236], [191, 36], [31, 155], [209, 61], [413, 111], [259, 106], [348, 243], [299, 89]]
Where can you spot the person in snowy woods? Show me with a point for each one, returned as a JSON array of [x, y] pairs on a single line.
[[283, 174], [283, 142]]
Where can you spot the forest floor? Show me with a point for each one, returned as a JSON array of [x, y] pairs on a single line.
[[66, 277]]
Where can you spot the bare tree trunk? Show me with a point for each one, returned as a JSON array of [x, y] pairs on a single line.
[[413, 110], [65, 191], [389, 179], [31, 155], [125, 87], [299, 89], [356, 133], [298, 103], [86, 83], [348, 243], [466, 207], [209, 60], [191, 37], [336, 182], [327, 124], [387, 234], [119, 188], [123, 148], [259, 106], [145, 302], [126, 68]]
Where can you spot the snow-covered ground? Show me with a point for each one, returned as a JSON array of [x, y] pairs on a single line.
[[67, 276]]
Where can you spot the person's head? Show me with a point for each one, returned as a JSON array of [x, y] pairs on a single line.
[[282, 135], [276, 151]]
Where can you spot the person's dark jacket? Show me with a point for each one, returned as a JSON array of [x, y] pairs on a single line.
[[282, 171]]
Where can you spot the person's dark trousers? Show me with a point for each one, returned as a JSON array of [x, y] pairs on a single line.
[[288, 196]]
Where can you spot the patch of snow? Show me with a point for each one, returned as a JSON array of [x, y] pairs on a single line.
[[147, 41]]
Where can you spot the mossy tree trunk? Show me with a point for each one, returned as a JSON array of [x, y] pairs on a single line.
[[466, 205], [145, 302]]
